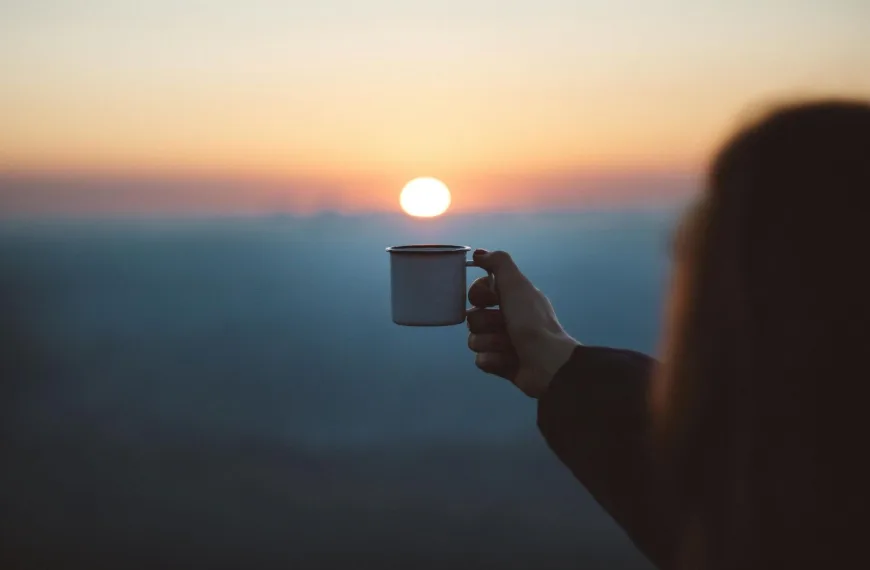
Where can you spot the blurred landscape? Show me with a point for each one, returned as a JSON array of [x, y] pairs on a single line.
[[231, 393]]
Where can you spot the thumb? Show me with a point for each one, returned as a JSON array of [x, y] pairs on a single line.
[[499, 263]]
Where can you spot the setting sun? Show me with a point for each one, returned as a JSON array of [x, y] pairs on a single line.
[[425, 197]]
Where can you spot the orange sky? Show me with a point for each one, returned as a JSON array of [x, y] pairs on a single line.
[[335, 104]]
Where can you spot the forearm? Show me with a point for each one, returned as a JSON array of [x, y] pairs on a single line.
[[595, 417]]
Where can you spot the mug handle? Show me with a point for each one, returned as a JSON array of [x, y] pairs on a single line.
[[491, 277]]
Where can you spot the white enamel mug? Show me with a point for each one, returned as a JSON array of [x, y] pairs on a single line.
[[428, 284]]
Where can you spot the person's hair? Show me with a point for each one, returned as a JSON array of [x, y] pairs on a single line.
[[765, 436]]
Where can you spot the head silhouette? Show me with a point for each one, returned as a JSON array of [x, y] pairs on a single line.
[[761, 406]]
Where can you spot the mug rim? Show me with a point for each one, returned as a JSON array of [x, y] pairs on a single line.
[[428, 249]]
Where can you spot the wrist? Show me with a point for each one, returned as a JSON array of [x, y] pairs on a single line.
[[556, 350]]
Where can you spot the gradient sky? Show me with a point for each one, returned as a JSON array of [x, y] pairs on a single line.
[[334, 104]]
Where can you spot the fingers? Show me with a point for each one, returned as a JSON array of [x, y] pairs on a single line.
[[489, 342], [488, 338], [504, 364], [485, 320], [480, 294]]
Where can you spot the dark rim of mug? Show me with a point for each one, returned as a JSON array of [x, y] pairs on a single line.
[[429, 249]]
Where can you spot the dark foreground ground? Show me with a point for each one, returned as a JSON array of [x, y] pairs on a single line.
[[171, 506]]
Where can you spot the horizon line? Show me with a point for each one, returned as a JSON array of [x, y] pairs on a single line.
[[648, 205]]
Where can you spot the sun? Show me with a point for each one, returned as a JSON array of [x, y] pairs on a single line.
[[425, 197]]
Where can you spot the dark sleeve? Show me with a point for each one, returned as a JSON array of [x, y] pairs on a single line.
[[594, 416]]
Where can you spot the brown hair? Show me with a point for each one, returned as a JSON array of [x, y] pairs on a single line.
[[763, 437]]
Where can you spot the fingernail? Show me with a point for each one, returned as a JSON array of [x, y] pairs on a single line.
[[479, 251]]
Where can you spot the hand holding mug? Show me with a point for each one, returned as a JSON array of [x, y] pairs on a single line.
[[522, 339]]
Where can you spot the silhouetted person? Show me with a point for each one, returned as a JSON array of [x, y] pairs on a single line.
[[749, 446]]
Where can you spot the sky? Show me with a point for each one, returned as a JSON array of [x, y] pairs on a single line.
[[173, 105]]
